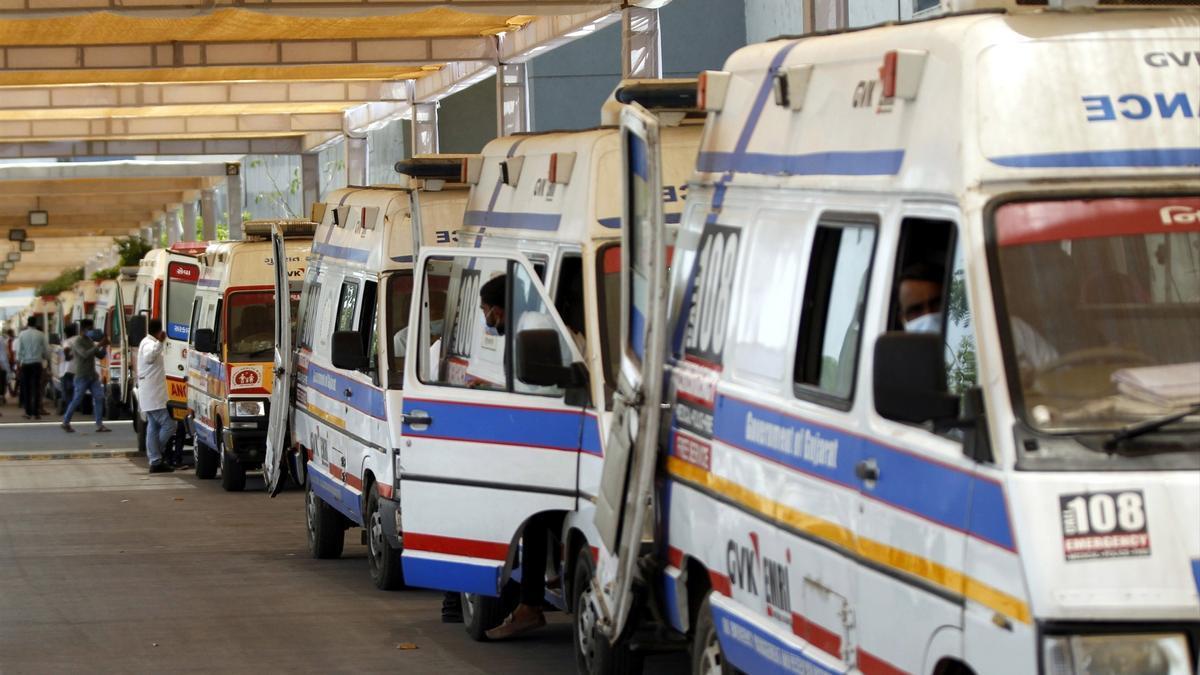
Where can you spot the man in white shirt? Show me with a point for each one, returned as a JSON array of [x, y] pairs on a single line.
[[152, 395], [33, 353]]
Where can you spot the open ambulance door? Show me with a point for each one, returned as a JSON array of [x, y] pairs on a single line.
[[123, 345], [622, 507], [277, 432]]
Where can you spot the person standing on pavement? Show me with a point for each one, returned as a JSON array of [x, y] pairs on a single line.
[[152, 395], [5, 365], [33, 352], [83, 367], [11, 354]]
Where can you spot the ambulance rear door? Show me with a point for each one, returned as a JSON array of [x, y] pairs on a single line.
[[494, 406], [281, 390], [630, 452]]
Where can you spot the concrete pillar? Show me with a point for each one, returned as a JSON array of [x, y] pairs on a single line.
[[160, 227], [310, 181], [512, 99], [174, 224], [148, 231], [208, 212], [425, 128], [189, 221], [641, 48], [233, 188], [357, 150]]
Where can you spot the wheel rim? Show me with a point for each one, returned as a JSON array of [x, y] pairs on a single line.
[[585, 629], [710, 660], [375, 540], [310, 513], [468, 607]]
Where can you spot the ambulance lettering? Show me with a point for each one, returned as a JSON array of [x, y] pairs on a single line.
[[1179, 215], [708, 319], [802, 443], [1106, 108], [1104, 525], [1165, 59], [746, 565]]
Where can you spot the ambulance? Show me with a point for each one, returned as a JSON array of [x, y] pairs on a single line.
[[83, 303], [114, 303], [165, 290], [335, 424], [932, 344], [505, 406], [232, 346]]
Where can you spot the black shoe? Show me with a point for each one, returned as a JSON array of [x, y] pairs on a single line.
[[159, 467]]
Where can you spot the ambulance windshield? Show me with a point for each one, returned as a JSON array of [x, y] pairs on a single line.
[[1100, 310], [252, 325]]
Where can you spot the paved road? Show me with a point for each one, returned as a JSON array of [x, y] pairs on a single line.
[[107, 569]]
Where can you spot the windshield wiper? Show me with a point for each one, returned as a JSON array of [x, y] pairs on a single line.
[[1154, 424]]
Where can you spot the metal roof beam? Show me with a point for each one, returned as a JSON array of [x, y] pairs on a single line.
[[100, 186], [135, 96], [283, 145], [188, 126], [123, 169], [37, 8]]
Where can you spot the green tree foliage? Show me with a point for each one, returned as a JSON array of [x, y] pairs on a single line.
[[130, 250], [62, 282], [107, 273]]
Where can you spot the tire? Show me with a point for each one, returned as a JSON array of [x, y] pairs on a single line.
[[594, 654], [206, 461], [383, 560], [326, 527], [707, 658], [233, 474], [482, 613]]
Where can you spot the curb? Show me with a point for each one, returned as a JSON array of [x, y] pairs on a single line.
[[85, 454]]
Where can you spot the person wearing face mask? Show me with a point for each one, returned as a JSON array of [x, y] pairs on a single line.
[[491, 303], [920, 297]]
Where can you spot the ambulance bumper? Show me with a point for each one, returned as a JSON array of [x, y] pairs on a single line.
[[246, 440]]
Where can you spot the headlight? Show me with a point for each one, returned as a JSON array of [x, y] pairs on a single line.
[[248, 409], [1152, 654]]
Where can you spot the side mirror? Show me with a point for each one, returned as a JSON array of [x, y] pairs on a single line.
[[135, 328], [206, 341], [348, 352], [910, 379], [55, 339], [539, 361]]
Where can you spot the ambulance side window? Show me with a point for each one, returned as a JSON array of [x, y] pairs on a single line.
[[312, 292], [214, 317], [929, 294], [196, 307], [839, 272], [347, 302], [367, 326], [489, 301]]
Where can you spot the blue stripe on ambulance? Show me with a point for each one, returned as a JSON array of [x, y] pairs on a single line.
[[935, 492], [559, 430], [363, 398], [507, 220], [848, 163], [204, 433], [450, 575], [1196, 574], [337, 495], [615, 223], [341, 252], [178, 331], [754, 650], [1138, 158]]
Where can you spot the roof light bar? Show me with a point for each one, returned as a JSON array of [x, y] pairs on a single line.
[[192, 248], [658, 95], [464, 169]]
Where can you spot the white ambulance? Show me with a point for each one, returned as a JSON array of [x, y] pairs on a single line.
[[340, 418], [165, 289], [83, 304], [506, 401], [233, 345], [933, 343]]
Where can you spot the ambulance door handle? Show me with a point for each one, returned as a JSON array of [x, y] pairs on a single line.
[[347, 393], [867, 471], [417, 419]]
